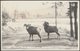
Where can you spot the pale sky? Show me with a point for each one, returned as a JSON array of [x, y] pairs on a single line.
[[34, 7]]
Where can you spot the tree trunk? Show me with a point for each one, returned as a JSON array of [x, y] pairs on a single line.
[[55, 14], [75, 25], [71, 24]]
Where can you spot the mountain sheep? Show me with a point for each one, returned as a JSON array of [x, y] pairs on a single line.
[[49, 29], [32, 31]]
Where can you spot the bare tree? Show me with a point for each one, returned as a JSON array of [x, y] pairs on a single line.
[[57, 4], [55, 14], [71, 22], [73, 9], [15, 14], [75, 21], [54, 6], [5, 18], [23, 15]]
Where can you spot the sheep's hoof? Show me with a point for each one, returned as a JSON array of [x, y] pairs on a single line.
[[40, 41], [47, 38], [58, 38]]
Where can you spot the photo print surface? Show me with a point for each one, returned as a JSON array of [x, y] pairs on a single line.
[[40, 25]]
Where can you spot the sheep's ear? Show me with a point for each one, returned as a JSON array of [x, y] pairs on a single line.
[[24, 24]]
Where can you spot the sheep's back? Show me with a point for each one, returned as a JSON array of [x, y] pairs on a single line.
[[32, 30], [50, 29]]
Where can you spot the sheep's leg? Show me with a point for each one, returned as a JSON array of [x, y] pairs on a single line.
[[58, 35], [48, 35], [29, 37], [32, 37], [39, 37]]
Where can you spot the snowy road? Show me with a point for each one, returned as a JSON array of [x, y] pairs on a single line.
[[19, 39]]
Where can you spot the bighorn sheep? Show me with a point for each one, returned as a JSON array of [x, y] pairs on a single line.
[[50, 29], [32, 31]]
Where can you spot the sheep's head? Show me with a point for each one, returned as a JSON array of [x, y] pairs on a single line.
[[46, 24], [27, 25]]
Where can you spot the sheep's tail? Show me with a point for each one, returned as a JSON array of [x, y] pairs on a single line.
[[39, 29]]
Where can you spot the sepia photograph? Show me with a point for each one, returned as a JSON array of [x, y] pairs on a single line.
[[51, 25]]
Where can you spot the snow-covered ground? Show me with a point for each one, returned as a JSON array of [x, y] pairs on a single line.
[[15, 36]]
